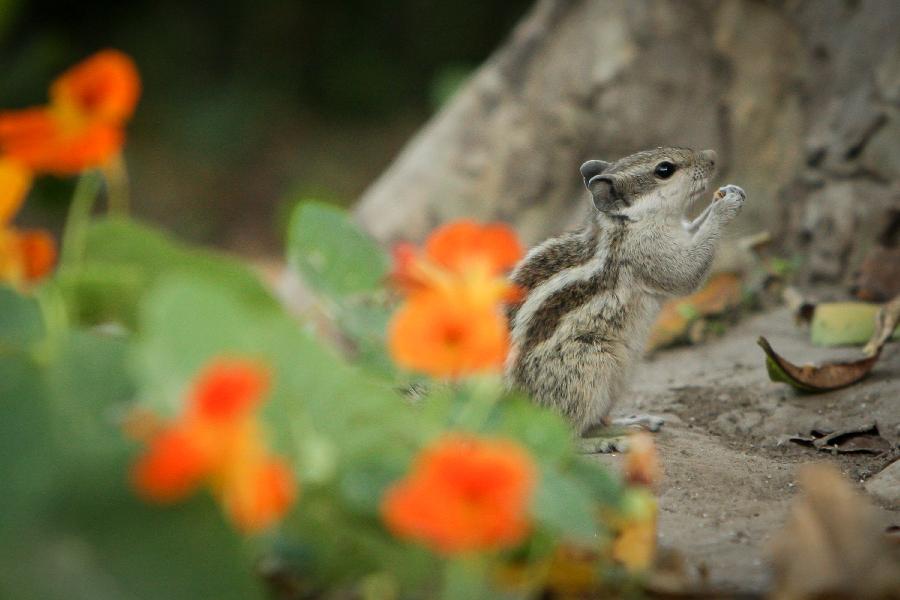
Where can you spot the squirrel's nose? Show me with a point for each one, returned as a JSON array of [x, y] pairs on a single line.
[[709, 156]]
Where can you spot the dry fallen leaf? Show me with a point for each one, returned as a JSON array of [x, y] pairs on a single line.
[[832, 546], [635, 543], [865, 439], [572, 572], [642, 460], [810, 378], [721, 294]]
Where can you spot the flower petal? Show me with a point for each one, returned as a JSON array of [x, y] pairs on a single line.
[[43, 140], [104, 87], [260, 496], [464, 493], [174, 465], [38, 251], [459, 245], [448, 335], [15, 181], [229, 388]]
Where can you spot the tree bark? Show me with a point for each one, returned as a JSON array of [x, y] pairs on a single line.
[[800, 98]]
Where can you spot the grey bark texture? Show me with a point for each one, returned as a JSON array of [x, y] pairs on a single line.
[[801, 99]]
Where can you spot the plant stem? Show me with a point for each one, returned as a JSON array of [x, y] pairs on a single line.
[[79, 217], [466, 578], [56, 321], [117, 186], [478, 398]]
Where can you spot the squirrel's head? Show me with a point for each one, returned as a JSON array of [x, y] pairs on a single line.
[[659, 182]]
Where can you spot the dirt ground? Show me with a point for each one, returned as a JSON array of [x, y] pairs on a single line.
[[729, 466]]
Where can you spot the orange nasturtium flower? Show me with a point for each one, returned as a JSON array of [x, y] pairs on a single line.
[[463, 494], [217, 440], [452, 322], [461, 249], [83, 125], [25, 255], [448, 335], [14, 183]]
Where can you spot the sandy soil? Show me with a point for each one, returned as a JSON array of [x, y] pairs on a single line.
[[729, 466]]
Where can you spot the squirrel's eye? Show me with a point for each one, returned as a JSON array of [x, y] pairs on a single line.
[[664, 170]]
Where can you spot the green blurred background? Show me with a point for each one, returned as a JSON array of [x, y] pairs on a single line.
[[251, 105]]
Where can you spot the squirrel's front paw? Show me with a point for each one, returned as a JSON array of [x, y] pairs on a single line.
[[728, 201]]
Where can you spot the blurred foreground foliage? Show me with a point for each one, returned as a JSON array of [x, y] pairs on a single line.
[[128, 320]]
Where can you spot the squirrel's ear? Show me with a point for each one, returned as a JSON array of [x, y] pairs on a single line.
[[591, 169], [603, 192]]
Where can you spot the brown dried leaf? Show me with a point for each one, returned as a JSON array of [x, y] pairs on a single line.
[[670, 326], [865, 439], [810, 378], [720, 294], [642, 460], [832, 546]]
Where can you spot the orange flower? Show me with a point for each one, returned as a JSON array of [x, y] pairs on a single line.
[[25, 256], [104, 87], [462, 249], [83, 126], [258, 496], [452, 323], [15, 180], [465, 245], [405, 275], [38, 251], [449, 334], [464, 494], [177, 462], [218, 440], [228, 390]]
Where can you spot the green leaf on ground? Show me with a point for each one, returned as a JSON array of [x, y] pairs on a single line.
[[844, 323]]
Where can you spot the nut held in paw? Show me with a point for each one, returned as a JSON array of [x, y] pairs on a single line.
[[729, 189]]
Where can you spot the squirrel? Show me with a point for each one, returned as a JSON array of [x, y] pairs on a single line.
[[589, 297]]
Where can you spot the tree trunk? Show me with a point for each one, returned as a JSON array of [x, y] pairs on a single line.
[[800, 98]]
